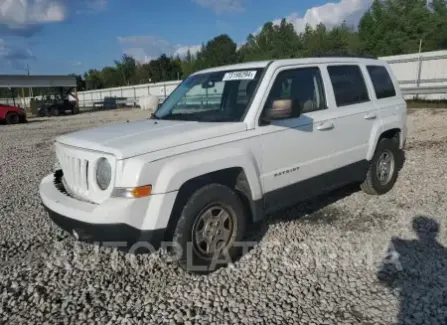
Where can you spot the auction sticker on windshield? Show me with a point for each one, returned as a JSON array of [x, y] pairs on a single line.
[[239, 75]]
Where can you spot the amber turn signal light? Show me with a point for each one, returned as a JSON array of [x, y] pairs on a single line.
[[142, 191], [134, 192]]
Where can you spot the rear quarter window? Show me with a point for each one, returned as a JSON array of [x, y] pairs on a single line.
[[383, 85], [348, 84]]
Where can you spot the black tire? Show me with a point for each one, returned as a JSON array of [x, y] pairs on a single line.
[[55, 111], [372, 184], [47, 112], [209, 197], [12, 118]]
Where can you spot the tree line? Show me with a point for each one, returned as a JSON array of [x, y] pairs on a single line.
[[389, 27]]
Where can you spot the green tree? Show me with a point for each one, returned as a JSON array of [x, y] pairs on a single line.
[[188, 64], [80, 82], [344, 40], [163, 69], [274, 41], [259, 46], [93, 79], [389, 27], [438, 34], [111, 77], [219, 51], [127, 68], [394, 27], [143, 73]]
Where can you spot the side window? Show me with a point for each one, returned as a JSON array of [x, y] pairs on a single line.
[[304, 85], [383, 85], [349, 84]]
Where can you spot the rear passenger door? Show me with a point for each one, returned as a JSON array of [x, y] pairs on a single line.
[[356, 112]]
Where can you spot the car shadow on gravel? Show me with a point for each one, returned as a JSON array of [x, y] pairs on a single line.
[[416, 272], [317, 210]]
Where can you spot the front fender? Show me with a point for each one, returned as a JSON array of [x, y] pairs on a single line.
[[175, 171], [168, 174]]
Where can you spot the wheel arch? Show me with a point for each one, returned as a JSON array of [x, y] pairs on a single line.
[[232, 177], [179, 175], [379, 133], [9, 114]]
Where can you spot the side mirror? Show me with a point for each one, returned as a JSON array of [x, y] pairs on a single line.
[[283, 109], [208, 84]]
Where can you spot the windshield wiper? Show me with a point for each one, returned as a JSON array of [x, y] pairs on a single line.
[[185, 117]]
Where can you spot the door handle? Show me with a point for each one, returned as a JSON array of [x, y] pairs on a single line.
[[323, 126], [370, 116]]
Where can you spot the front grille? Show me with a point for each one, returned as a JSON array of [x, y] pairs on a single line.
[[58, 174], [76, 172], [78, 166], [61, 187]]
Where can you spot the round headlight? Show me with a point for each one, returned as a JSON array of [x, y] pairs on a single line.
[[103, 173]]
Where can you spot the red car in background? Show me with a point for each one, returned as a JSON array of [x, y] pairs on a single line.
[[12, 114]]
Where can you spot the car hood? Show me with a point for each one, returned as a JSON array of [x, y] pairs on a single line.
[[131, 139], [10, 107]]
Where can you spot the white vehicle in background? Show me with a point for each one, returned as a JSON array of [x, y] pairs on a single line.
[[205, 166]]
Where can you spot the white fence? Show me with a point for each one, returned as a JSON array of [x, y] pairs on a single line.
[[427, 71], [131, 93], [161, 90]]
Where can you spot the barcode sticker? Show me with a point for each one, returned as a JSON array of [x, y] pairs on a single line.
[[239, 75]]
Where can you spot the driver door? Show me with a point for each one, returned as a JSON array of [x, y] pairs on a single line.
[[296, 150]]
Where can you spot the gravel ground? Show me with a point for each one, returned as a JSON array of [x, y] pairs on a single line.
[[318, 263]]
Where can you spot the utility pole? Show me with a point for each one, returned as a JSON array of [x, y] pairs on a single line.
[[419, 69], [30, 92]]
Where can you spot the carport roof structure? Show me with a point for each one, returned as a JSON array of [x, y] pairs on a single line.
[[25, 81]]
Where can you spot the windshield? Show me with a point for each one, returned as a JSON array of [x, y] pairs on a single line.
[[221, 96]]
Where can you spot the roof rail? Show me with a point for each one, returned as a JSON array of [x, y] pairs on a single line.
[[343, 55]]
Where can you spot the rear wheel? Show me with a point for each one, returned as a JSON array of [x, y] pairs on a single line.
[[211, 224], [384, 168], [55, 111], [12, 118], [47, 111]]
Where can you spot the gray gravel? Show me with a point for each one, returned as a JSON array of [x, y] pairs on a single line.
[[318, 263]]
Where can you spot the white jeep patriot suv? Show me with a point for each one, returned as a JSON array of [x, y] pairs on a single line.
[[228, 146]]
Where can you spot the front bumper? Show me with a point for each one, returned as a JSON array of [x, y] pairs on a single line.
[[121, 236], [119, 222]]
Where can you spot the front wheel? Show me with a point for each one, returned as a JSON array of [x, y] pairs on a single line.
[[384, 168], [12, 118], [209, 230]]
